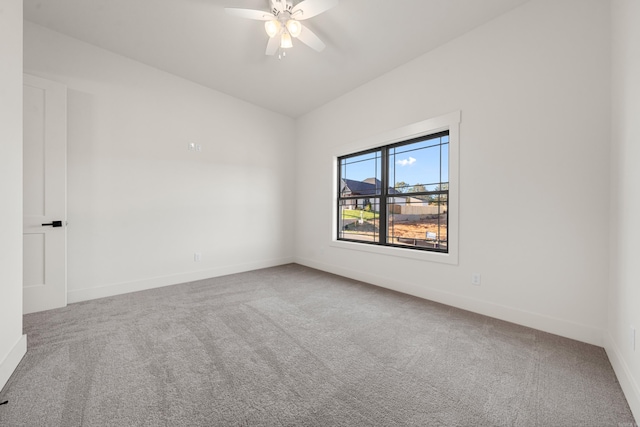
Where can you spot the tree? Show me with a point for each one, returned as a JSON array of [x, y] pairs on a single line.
[[401, 187], [439, 199], [418, 188]]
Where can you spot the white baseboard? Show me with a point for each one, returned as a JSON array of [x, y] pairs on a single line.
[[158, 282], [629, 385], [10, 363], [564, 328]]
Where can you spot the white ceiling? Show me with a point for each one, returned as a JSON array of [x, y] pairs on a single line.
[[196, 40]]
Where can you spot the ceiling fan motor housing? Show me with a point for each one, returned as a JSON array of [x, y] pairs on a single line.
[[281, 6]]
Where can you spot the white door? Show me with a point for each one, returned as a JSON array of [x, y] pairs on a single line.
[[45, 195]]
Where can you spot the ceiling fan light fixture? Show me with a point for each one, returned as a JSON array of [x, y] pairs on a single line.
[[285, 41], [272, 28], [283, 21], [294, 27]]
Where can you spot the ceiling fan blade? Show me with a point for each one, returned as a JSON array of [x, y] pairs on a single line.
[[273, 44], [309, 38], [309, 8], [258, 15]]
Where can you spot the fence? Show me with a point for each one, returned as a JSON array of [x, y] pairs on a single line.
[[416, 210]]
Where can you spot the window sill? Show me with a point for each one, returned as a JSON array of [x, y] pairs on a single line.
[[448, 258]]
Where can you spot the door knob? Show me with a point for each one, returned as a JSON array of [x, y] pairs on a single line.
[[53, 224]]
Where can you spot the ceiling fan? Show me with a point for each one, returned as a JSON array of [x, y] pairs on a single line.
[[282, 22]]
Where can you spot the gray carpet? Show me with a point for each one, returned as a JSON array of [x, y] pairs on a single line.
[[295, 346]]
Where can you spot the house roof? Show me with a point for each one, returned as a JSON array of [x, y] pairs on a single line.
[[368, 187], [361, 187]]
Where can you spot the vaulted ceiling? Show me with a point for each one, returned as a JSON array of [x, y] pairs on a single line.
[[197, 40]]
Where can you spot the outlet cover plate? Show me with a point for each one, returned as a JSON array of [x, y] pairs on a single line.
[[476, 279]]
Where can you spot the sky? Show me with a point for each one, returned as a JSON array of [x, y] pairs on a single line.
[[416, 163]]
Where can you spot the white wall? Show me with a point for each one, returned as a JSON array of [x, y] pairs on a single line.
[[12, 342], [624, 293], [139, 202], [533, 88]]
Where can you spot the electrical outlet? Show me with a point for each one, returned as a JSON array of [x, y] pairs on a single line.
[[197, 257], [476, 279], [198, 147], [633, 338], [192, 146]]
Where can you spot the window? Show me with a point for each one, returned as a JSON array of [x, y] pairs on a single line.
[[396, 193]]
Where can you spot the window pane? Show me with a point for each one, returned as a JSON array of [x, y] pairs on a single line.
[[358, 219], [445, 163], [418, 223], [360, 175], [419, 166]]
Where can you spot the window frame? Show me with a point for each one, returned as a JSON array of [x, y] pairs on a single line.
[[449, 122]]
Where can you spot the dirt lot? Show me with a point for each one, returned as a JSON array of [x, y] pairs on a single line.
[[418, 230], [403, 229]]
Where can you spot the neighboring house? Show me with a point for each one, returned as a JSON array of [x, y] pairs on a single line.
[[371, 187], [350, 187]]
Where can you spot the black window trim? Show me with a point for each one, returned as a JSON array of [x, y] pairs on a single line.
[[384, 191]]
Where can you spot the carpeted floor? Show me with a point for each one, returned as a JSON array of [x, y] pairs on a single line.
[[298, 347]]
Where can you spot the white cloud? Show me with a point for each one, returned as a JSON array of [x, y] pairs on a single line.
[[405, 162]]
